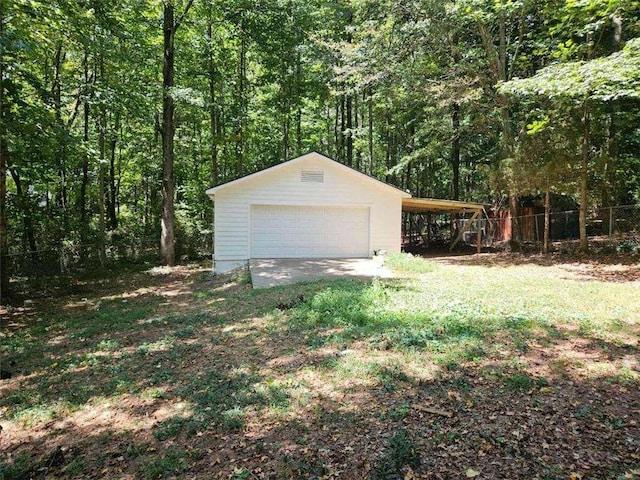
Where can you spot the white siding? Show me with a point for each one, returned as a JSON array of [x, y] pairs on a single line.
[[284, 186]]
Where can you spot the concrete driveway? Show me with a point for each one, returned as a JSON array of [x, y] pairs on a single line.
[[267, 273]]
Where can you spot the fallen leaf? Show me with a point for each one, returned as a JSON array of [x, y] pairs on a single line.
[[471, 473]]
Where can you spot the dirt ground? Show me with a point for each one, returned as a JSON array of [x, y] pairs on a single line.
[[173, 373]]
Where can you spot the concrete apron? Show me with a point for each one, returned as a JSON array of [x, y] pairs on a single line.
[[267, 273]]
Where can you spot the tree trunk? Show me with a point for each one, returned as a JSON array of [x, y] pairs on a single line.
[[349, 132], [4, 243], [213, 108], [82, 200], [170, 26], [241, 103], [27, 224], [167, 241], [298, 100], [113, 198], [336, 132], [455, 152], [342, 144], [286, 110], [389, 135], [584, 172], [370, 134], [357, 125], [547, 208], [58, 60]]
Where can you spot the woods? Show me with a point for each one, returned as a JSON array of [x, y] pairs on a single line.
[[116, 116]]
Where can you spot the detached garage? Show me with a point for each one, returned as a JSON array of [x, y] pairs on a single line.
[[308, 207]]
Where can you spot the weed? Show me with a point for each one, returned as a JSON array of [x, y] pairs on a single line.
[[108, 345], [523, 381], [519, 381], [173, 463], [233, 419], [185, 332], [400, 412], [629, 246], [401, 452], [18, 470], [154, 394], [169, 428], [391, 375], [240, 474], [75, 467], [39, 413]]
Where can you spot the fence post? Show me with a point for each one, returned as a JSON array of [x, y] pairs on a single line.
[[610, 221]]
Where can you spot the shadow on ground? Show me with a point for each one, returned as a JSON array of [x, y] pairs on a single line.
[[185, 376]]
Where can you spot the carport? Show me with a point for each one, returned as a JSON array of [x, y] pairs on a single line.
[[451, 207]]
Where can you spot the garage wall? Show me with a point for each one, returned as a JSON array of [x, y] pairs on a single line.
[[232, 205]]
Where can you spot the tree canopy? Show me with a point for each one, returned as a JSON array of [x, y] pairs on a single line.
[[605, 79], [416, 93]]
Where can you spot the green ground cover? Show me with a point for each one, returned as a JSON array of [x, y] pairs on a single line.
[[492, 366]]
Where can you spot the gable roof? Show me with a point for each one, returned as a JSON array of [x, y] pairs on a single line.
[[315, 155]]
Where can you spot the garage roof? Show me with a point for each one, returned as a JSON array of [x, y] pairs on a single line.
[[434, 205], [313, 155]]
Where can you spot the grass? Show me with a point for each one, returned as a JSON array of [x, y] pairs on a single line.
[[178, 375]]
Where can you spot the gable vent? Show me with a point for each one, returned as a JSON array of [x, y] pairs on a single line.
[[312, 176]]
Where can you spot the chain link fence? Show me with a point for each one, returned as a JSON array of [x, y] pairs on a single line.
[[617, 224]]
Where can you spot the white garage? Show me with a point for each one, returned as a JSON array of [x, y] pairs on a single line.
[[308, 207]]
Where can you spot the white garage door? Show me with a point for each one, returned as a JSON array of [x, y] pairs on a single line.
[[284, 231]]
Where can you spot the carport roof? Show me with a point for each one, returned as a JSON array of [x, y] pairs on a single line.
[[434, 205]]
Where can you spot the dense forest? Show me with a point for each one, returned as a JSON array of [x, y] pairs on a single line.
[[115, 116]]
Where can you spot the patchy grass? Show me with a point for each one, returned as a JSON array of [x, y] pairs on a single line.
[[449, 368], [407, 263]]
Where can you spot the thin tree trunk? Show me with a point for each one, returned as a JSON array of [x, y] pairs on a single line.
[[356, 109], [82, 201], [584, 173], [102, 146], [4, 154], [62, 140], [343, 127], [112, 198], [455, 152], [349, 131], [389, 159], [370, 133], [547, 208], [336, 132], [213, 108], [167, 240], [27, 224], [240, 126], [285, 110], [298, 109]]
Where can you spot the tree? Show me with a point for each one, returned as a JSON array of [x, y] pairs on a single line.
[[578, 86], [170, 26]]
